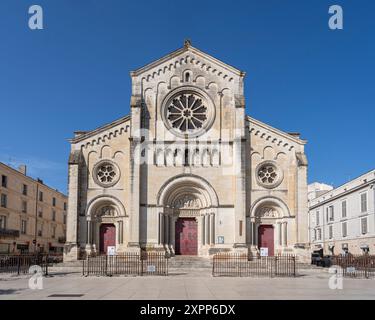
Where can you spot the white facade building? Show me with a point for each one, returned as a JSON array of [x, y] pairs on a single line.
[[343, 219]]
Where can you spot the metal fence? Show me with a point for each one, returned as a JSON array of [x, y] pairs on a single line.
[[128, 263], [355, 266], [242, 265], [20, 264]]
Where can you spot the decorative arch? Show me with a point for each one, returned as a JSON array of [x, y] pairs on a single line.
[[270, 202], [105, 200], [187, 184]]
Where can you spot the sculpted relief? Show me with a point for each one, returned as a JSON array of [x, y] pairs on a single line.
[[187, 202]]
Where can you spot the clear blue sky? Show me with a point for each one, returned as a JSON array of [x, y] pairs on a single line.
[[301, 76]]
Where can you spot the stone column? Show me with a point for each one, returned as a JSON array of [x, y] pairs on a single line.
[[161, 231], [135, 162], [203, 229], [255, 234], [280, 233], [71, 249], [208, 229], [212, 231], [89, 235], [285, 234], [121, 232], [166, 229]]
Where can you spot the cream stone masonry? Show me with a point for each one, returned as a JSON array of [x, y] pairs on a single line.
[[343, 219], [187, 172], [30, 211]]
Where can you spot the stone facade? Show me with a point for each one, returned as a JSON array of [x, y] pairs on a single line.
[[30, 211], [187, 151], [343, 219]]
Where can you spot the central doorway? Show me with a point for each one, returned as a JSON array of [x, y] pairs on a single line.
[[186, 236], [107, 237], [266, 238]]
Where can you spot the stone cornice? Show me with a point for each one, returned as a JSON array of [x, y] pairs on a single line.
[[273, 135], [102, 132]]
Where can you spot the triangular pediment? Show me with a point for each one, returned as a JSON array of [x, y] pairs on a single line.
[[182, 54]]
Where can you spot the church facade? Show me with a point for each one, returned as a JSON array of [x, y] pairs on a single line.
[[187, 171]]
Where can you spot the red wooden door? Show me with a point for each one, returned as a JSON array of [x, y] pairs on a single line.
[[107, 237], [266, 238], [186, 236]]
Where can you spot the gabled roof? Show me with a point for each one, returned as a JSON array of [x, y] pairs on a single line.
[[187, 48], [87, 134], [284, 134]]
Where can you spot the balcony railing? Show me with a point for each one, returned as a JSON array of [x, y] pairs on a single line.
[[9, 233]]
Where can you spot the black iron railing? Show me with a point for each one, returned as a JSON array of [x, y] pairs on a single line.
[[20, 264], [128, 263], [242, 265], [355, 266]]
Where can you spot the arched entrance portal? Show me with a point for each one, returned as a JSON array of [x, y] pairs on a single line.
[[188, 206], [268, 227]]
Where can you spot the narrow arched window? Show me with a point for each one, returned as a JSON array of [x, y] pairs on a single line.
[[187, 77]]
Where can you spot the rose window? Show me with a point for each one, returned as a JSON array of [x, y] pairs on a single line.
[[269, 174], [187, 113], [106, 173]]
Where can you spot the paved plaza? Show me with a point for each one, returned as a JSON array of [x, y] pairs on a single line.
[[313, 284]]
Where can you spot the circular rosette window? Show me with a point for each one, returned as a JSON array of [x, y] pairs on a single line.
[[268, 174], [188, 113], [106, 173]]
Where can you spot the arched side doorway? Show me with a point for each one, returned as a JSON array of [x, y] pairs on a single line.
[[187, 209], [105, 223], [268, 227]]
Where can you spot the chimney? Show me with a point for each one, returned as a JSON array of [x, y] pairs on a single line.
[[22, 169]]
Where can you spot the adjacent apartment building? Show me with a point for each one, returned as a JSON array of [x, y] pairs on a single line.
[[32, 215], [343, 219]]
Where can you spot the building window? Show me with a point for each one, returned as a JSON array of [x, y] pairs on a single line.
[[53, 232], [40, 213], [64, 206], [24, 190], [23, 226], [40, 196], [343, 209], [317, 218], [54, 201], [4, 200], [24, 206], [363, 202], [330, 232], [3, 222], [40, 232], [4, 181], [53, 215], [364, 225], [314, 235], [64, 218], [319, 235], [330, 214], [344, 228]]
